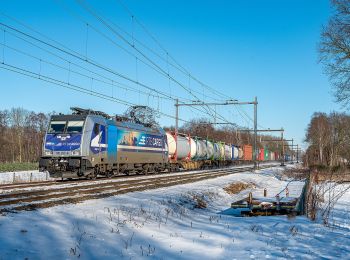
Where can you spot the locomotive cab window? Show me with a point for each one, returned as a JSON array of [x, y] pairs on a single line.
[[96, 129], [75, 126], [57, 126]]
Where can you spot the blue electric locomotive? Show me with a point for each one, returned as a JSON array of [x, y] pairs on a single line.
[[89, 143]]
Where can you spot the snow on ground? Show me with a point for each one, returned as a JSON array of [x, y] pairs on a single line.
[[166, 224], [23, 176]]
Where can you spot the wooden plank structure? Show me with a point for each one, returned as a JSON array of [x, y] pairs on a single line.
[[251, 206]]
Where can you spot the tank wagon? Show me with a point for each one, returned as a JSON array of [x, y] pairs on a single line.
[[89, 143], [197, 153]]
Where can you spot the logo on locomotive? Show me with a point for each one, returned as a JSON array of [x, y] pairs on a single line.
[[98, 139], [139, 139], [62, 142]]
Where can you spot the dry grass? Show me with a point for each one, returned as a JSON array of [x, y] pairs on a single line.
[[200, 203], [237, 187], [297, 173], [12, 167]]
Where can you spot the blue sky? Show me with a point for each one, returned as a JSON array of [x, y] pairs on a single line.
[[242, 48]]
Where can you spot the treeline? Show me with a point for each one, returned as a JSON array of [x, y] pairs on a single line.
[[21, 135], [328, 137]]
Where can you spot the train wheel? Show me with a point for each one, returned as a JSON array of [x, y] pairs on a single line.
[[93, 175], [109, 174], [152, 168], [90, 177]]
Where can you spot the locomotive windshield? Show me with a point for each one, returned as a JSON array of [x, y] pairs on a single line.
[[66, 127], [75, 126], [57, 126]]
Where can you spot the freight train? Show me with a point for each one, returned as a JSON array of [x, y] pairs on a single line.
[[89, 143]]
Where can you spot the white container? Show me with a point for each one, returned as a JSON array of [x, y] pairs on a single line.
[[221, 151], [171, 144], [240, 153], [193, 148], [216, 151], [210, 150], [201, 149], [183, 150], [235, 153], [228, 152]]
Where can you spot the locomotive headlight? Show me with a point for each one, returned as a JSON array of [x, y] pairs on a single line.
[[76, 152], [47, 152]]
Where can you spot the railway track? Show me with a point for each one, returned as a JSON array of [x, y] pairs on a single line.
[[24, 185], [34, 195]]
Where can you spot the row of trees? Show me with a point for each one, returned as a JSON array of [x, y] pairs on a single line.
[[21, 135], [328, 137]]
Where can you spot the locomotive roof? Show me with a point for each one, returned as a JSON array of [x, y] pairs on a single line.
[[67, 117], [129, 125], [135, 126]]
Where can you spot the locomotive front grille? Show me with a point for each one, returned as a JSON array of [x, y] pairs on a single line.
[[62, 153]]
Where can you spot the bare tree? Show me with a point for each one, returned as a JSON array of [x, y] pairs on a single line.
[[18, 120], [21, 135], [329, 140], [143, 115], [335, 50], [318, 133]]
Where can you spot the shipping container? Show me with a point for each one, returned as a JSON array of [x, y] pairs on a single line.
[[210, 150], [201, 149], [221, 151], [266, 154], [247, 152], [184, 148], [216, 151], [193, 148], [240, 153], [235, 153], [228, 152], [261, 154]]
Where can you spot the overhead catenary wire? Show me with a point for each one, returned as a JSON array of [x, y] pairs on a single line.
[[170, 98], [3, 50], [89, 61], [111, 81], [184, 70], [163, 72], [81, 58], [70, 70], [58, 43], [63, 47], [77, 55], [182, 101], [75, 87], [131, 44], [179, 66], [213, 90]]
